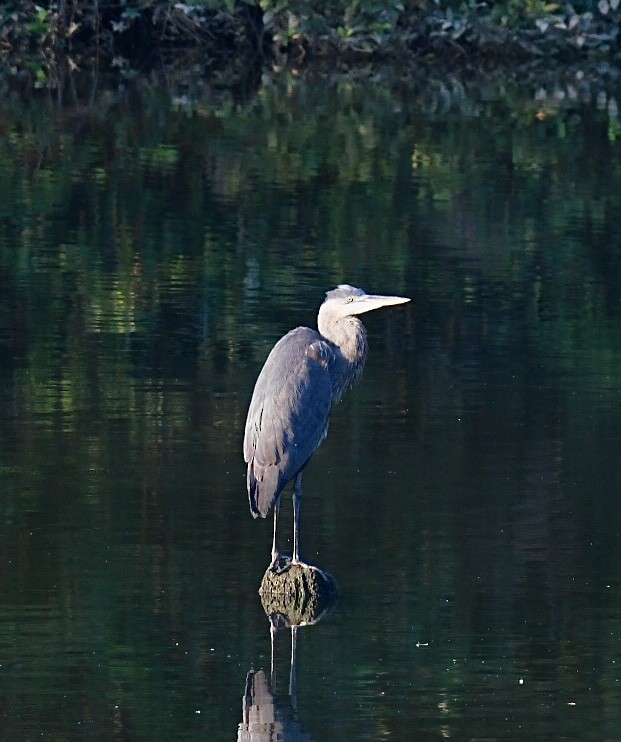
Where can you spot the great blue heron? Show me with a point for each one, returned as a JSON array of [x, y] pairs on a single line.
[[304, 376]]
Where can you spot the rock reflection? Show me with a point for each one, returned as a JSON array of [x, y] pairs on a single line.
[[268, 716]]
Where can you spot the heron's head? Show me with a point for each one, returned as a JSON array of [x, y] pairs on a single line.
[[349, 301], [338, 322]]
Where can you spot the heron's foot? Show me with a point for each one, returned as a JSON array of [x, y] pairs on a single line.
[[281, 563]]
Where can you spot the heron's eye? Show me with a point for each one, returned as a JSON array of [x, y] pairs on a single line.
[[350, 299]]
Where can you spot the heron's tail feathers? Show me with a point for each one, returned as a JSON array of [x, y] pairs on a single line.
[[263, 488]]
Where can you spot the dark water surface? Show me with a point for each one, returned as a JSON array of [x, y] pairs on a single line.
[[467, 498]]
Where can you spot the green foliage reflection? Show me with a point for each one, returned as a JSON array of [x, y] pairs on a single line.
[[152, 250]]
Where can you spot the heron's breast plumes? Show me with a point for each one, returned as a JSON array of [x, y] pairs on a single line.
[[349, 336]]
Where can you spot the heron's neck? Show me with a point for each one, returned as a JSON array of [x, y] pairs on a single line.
[[349, 335]]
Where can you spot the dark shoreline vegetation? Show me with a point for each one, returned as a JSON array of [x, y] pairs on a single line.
[[233, 41]]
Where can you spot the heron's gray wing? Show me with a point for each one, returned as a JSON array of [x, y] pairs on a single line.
[[288, 414]]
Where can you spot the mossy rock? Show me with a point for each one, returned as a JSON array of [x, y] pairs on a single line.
[[299, 593]]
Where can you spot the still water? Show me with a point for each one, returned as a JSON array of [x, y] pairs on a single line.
[[153, 247]]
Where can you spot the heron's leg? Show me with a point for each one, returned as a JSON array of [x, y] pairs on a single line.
[[293, 684], [297, 494], [275, 554], [272, 640]]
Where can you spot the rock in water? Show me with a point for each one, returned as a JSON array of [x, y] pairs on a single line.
[[299, 593]]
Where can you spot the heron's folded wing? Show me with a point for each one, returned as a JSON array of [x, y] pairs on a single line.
[[290, 407]]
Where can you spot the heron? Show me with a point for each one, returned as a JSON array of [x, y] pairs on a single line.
[[306, 373]]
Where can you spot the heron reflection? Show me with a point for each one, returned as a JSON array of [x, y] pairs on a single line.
[[268, 716]]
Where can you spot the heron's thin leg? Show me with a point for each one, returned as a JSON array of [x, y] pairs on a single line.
[[293, 684], [274, 547], [272, 665], [297, 494]]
